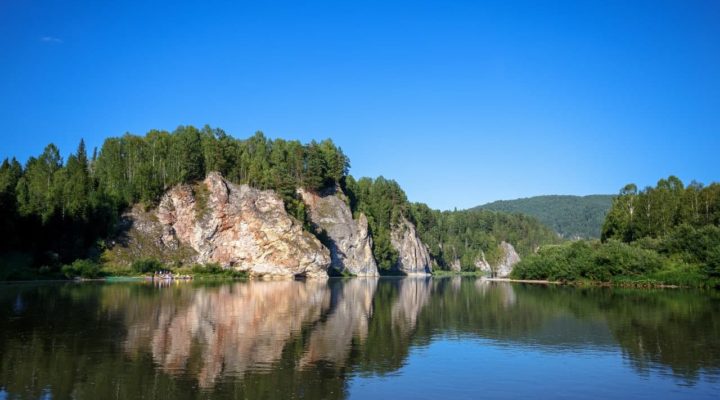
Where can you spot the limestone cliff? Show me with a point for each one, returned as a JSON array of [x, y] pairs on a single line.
[[349, 240], [240, 227], [505, 266], [414, 258]]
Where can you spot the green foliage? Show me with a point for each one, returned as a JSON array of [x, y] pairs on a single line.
[[213, 270], [201, 194], [465, 236], [699, 246], [82, 268], [570, 216], [468, 236], [384, 204], [589, 260], [668, 234], [147, 265], [54, 209], [655, 211]]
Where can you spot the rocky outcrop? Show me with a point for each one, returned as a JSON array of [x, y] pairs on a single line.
[[240, 227], [481, 264], [349, 240], [455, 266], [509, 260], [503, 269], [414, 258]]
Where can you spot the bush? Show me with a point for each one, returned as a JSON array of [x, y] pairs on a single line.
[[587, 260], [146, 265], [213, 270], [699, 246], [82, 268]]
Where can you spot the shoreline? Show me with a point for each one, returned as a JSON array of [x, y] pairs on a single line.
[[533, 281]]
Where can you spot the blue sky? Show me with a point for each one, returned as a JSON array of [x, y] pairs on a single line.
[[462, 102]]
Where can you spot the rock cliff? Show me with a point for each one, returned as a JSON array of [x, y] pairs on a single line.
[[349, 240], [505, 266], [240, 227], [414, 258]]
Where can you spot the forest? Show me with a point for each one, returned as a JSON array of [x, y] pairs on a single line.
[[667, 234], [572, 217], [56, 212]]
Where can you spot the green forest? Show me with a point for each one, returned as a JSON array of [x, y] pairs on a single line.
[[572, 217], [462, 236], [667, 234], [56, 212]]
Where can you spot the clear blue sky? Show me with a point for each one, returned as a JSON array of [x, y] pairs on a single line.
[[462, 102]]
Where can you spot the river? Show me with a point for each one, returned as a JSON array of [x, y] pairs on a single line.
[[400, 338]]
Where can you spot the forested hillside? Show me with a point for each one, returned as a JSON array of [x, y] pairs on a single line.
[[668, 234], [55, 211], [461, 236], [570, 216]]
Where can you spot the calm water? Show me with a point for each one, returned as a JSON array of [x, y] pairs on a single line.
[[389, 338]]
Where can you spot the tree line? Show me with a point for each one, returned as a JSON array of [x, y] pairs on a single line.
[[462, 237], [54, 211], [667, 234]]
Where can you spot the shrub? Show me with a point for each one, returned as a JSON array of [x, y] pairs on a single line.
[[83, 268], [146, 265]]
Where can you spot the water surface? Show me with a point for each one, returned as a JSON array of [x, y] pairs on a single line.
[[412, 338]]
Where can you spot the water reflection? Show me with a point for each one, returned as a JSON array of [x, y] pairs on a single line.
[[347, 320], [231, 328], [286, 339]]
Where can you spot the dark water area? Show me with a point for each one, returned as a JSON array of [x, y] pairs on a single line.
[[411, 338]]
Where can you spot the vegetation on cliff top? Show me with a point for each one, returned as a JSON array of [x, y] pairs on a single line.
[[53, 213]]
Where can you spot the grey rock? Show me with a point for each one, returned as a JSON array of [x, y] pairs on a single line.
[[414, 258], [504, 267], [348, 239]]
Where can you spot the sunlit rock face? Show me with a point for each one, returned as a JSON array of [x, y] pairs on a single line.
[[508, 261], [240, 227], [348, 320], [505, 266], [414, 258], [348, 239], [233, 329]]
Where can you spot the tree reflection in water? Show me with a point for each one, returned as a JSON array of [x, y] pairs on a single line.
[[285, 339]]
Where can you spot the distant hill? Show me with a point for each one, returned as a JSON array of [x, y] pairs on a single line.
[[570, 216]]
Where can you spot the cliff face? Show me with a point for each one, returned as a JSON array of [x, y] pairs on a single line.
[[414, 258], [240, 227], [349, 240], [506, 264]]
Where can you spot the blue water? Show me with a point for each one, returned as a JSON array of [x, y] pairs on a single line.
[[410, 338]]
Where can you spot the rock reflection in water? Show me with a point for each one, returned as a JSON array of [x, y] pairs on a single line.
[[348, 318], [294, 339], [414, 295], [236, 327], [505, 290]]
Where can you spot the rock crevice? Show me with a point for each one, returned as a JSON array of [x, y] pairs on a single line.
[[413, 255], [348, 239]]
